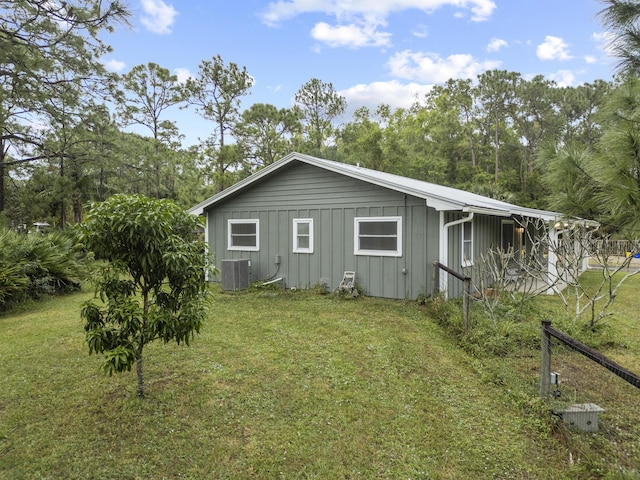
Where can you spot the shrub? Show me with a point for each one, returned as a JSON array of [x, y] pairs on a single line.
[[32, 265], [505, 330]]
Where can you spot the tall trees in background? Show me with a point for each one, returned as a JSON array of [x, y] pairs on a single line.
[[500, 134], [266, 133], [595, 173], [145, 93], [320, 105], [497, 91], [216, 93], [481, 136], [49, 54], [360, 140]]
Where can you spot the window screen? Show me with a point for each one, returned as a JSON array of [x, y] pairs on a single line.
[[243, 235], [378, 236]]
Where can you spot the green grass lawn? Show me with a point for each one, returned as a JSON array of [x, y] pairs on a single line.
[[298, 385]]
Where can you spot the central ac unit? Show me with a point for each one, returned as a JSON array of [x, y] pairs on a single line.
[[235, 274]]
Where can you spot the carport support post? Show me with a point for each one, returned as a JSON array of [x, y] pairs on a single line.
[[545, 360]]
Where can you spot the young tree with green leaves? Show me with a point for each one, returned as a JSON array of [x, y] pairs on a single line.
[[152, 286]]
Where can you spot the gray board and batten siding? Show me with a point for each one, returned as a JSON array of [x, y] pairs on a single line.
[[426, 222], [303, 191]]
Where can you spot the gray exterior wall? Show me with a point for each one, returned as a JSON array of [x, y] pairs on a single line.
[[332, 201], [486, 235]]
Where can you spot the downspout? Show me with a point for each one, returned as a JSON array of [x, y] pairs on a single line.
[[206, 242], [444, 246]]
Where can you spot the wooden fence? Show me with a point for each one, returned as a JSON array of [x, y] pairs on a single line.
[[466, 295], [545, 358]]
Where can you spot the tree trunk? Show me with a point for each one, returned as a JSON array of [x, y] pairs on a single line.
[[473, 152], [63, 213], [77, 209], [141, 340], [3, 167], [497, 165], [2, 174], [140, 390], [101, 196]]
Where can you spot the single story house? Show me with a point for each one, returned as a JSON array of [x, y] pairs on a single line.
[[305, 221]]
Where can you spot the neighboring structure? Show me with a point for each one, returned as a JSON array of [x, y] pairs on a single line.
[[307, 220]]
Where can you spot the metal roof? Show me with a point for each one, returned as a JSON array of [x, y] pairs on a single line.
[[436, 196]]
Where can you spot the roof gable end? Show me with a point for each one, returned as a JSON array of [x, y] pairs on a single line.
[[436, 196]]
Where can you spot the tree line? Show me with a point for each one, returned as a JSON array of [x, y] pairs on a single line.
[[65, 138]]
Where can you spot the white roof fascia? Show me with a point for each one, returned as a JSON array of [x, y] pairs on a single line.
[[487, 211], [441, 205], [541, 214]]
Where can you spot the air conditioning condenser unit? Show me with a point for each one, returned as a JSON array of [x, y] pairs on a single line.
[[235, 274]]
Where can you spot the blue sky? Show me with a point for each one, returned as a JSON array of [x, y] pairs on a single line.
[[372, 51]]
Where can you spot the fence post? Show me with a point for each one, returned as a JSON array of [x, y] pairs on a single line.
[[465, 303], [545, 360], [436, 279]]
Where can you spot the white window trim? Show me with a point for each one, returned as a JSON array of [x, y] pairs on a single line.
[[377, 253], [299, 221], [238, 221], [464, 262]]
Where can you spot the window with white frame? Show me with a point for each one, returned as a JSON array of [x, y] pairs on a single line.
[[243, 235], [303, 235], [467, 244], [378, 236]]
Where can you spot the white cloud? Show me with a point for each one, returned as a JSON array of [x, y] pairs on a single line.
[[496, 44], [158, 16], [114, 65], [422, 31], [183, 74], [564, 78], [352, 36], [590, 59], [430, 67], [604, 41], [393, 93], [553, 48], [358, 20]]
